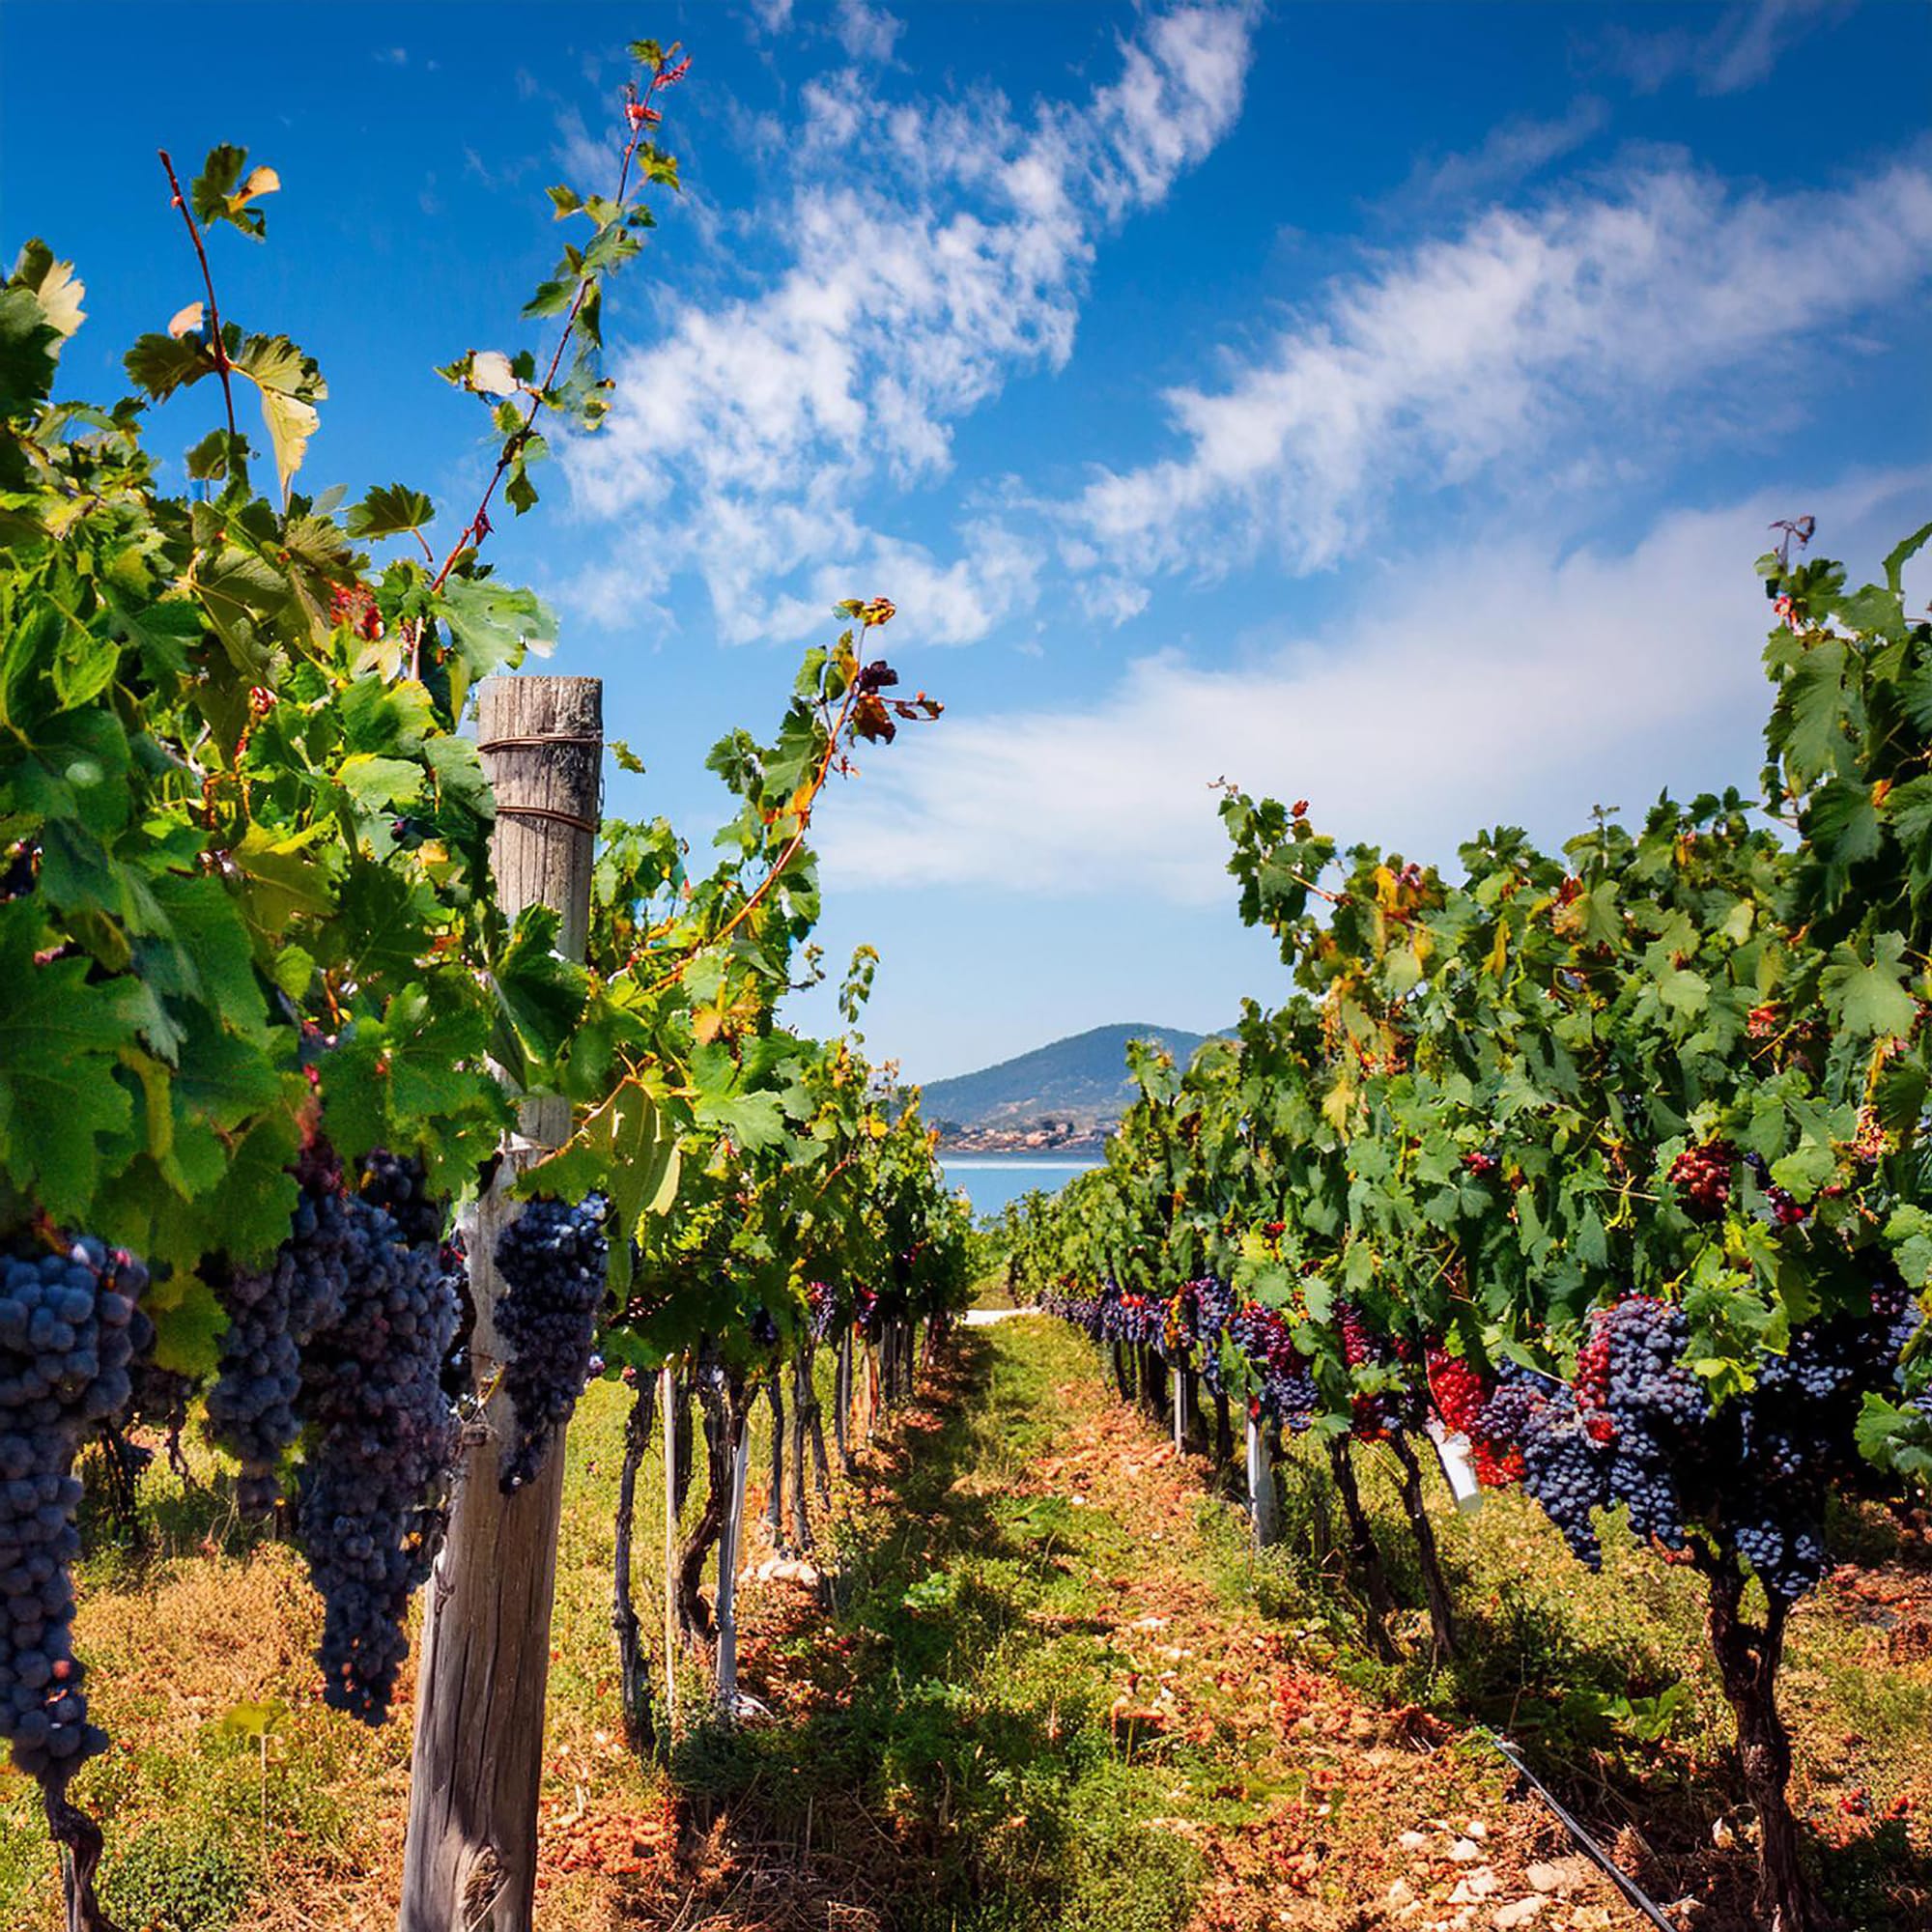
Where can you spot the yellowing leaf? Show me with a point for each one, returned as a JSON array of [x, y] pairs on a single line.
[[58, 289], [186, 321], [290, 423], [1338, 1103]]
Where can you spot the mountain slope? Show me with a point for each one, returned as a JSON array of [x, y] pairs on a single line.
[[1082, 1079]]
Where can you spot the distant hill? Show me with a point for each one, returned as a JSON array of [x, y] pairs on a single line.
[[1082, 1081]]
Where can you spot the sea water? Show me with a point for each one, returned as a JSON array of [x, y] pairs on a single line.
[[992, 1180]]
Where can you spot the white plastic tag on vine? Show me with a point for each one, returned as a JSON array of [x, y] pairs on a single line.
[[1453, 1451]]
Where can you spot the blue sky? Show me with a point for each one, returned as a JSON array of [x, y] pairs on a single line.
[[1381, 404]]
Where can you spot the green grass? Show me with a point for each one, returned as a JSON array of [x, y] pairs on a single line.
[[973, 1726]]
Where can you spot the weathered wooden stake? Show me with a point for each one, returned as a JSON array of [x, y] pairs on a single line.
[[1263, 1504], [841, 1404], [470, 1861]]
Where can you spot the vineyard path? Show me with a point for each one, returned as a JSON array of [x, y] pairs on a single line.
[[1046, 1635]]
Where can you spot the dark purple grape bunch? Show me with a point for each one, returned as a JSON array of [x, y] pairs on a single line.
[[1284, 1385], [1213, 1308], [1566, 1469], [1063, 1304], [272, 1313], [71, 1325], [399, 1185], [383, 1438], [1112, 1323], [1792, 1439], [552, 1260], [1657, 1410]]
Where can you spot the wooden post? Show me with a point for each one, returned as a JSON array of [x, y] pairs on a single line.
[[1193, 1435], [774, 1503], [841, 1402], [469, 1863], [1264, 1505]]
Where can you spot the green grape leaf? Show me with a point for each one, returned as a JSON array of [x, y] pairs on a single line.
[[1867, 996], [1908, 811], [459, 776], [542, 993], [202, 951], [84, 663], [161, 364], [1842, 827], [281, 881], [189, 1324], [241, 592], [1895, 1438], [1684, 991], [390, 510], [1809, 722], [627, 1148], [751, 1121], [494, 623], [59, 1039], [376, 784], [29, 352], [221, 192], [385, 921], [1903, 554]]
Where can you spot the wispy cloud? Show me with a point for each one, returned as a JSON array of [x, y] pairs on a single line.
[[1738, 52], [589, 161], [1529, 342], [1507, 156], [1503, 683], [931, 251]]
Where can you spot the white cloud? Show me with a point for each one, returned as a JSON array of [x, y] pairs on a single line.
[[931, 252], [1480, 356], [867, 33], [1510, 154], [1498, 684]]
